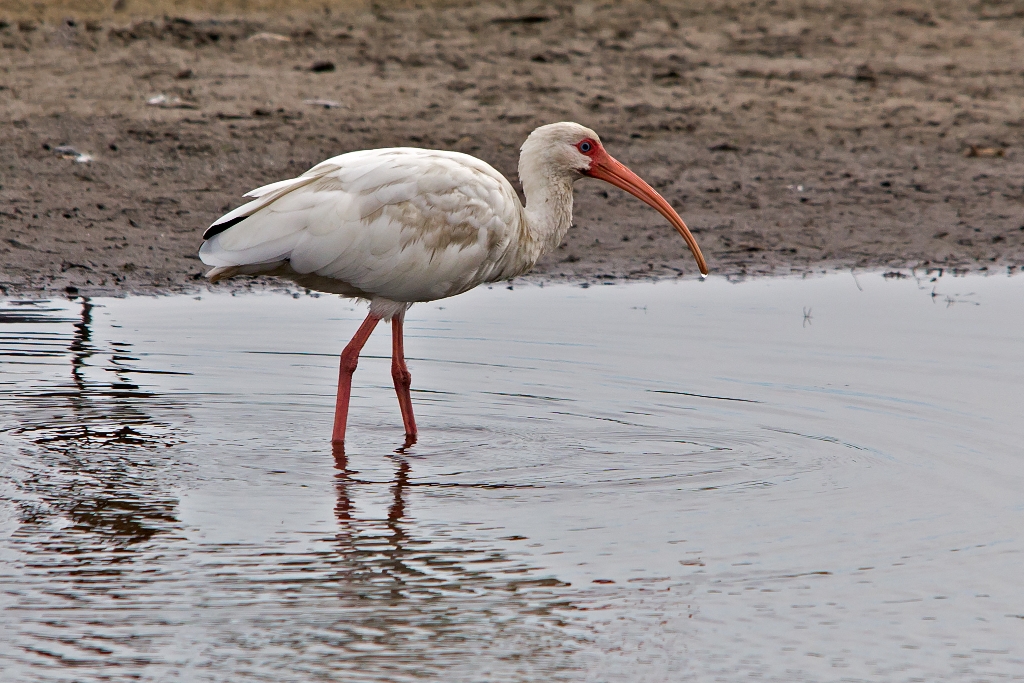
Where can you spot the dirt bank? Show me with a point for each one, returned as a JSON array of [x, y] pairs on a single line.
[[859, 134]]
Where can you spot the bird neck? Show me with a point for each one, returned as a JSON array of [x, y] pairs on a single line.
[[548, 210]]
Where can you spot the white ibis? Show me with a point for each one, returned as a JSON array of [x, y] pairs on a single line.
[[401, 225]]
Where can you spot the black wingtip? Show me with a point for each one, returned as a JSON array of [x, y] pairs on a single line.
[[218, 228]]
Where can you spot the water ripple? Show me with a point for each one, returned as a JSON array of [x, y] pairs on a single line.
[[586, 502]]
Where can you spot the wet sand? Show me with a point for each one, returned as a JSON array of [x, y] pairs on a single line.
[[855, 135]]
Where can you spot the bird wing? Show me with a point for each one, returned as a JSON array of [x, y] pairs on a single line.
[[405, 224]]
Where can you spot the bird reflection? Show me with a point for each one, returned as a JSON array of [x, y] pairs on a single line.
[[426, 591], [397, 510], [408, 559], [345, 479], [376, 564], [343, 508]]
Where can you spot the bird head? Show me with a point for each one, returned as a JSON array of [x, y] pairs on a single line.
[[569, 150], [555, 148]]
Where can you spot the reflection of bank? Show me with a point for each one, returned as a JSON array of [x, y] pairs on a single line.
[[94, 454]]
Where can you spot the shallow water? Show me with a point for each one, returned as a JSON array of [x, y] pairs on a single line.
[[790, 480]]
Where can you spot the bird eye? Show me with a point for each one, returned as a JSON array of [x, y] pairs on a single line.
[[585, 146]]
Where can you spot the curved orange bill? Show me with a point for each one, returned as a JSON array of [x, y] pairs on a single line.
[[609, 170]]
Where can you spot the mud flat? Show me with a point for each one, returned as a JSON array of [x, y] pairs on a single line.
[[791, 138]]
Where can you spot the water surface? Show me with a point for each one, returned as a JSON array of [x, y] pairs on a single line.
[[790, 480]]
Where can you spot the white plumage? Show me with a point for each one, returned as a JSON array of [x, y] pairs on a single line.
[[401, 225]]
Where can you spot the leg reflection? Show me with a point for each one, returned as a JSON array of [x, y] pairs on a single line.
[[397, 510], [373, 552], [342, 480], [420, 589]]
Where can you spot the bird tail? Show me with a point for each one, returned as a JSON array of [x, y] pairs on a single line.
[[222, 273]]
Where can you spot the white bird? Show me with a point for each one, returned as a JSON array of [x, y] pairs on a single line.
[[402, 225]]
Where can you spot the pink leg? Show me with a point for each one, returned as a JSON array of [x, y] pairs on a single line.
[[403, 379], [349, 360]]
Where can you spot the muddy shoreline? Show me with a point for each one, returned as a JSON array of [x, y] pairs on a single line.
[[859, 136]]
